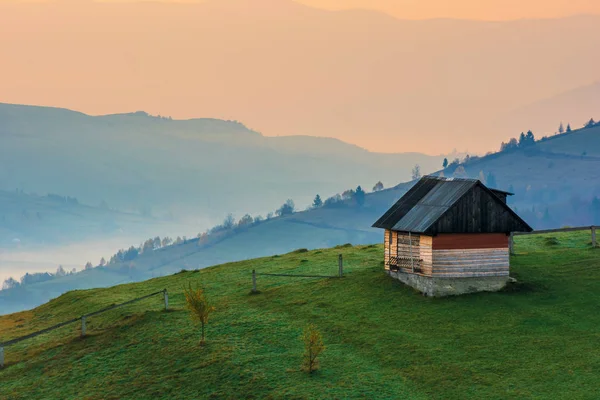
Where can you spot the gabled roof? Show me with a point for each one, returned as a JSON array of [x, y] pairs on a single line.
[[429, 199]]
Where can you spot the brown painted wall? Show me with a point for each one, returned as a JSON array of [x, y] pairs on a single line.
[[470, 241]]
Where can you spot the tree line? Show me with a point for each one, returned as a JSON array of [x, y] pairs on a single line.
[[229, 226]]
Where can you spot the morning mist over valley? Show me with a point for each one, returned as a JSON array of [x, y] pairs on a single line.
[[319, 177]]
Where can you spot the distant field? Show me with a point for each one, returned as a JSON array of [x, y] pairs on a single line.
[[539, 339]]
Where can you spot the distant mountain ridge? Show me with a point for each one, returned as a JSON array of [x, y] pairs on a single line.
[[201, 168]]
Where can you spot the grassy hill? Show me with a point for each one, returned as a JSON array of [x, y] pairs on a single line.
[[538, 339], [582, 142]]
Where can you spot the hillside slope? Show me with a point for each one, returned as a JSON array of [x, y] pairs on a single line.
[[583, 142], [554, 181], [311, 229], [384, 340]]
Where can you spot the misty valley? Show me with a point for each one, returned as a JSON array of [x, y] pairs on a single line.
[[229, 203]]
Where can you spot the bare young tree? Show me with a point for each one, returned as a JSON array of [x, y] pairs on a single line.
[[313, 347], [199, 307], [416, 172]]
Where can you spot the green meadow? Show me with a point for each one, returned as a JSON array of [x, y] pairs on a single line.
[[540, 338]]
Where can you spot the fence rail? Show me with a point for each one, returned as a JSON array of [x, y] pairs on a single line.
[[339, 275], [82, 319], [591, 228]]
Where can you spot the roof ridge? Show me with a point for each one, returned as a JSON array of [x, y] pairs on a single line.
[[432, 197]]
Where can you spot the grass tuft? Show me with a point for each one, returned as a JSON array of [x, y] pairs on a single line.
[[299, 251], [551, 241]]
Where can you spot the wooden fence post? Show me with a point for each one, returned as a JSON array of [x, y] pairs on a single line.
[[1, 357], [341, 265], [594, 243], [511, 244], [166, 299], [253, 281], [83, 326]]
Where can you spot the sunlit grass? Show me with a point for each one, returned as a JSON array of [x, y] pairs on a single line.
[[384, 340]]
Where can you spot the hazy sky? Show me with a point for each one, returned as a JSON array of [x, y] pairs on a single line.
[[468, 9], [424, 9], [283, 68]]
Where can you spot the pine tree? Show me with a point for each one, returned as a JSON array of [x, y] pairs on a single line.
[[317, 202], [529, 139], [561, 128], [359, 195], [522, 140], [445, 163], [568, 127], [590, 123]]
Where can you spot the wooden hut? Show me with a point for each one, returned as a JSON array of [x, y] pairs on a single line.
[[450, 236]]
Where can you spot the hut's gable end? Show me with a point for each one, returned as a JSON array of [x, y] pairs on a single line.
[[478, 211]]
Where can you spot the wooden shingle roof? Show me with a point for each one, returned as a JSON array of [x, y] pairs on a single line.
[[432, 206]]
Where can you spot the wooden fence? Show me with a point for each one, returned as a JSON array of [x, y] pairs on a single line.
[[339, 275], [592, 229], [82, 319]]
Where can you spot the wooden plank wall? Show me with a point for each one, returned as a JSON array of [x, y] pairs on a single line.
[[426, 253], [386, 248], [476, 255], [400, 247], [391, 247]]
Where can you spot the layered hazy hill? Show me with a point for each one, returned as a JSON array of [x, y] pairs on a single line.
[[286, 68], [197, 169], [29, 220], [554, 182]]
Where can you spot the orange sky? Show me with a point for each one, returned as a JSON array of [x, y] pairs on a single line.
[[467, 9], [284, 69], [424, 9]]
